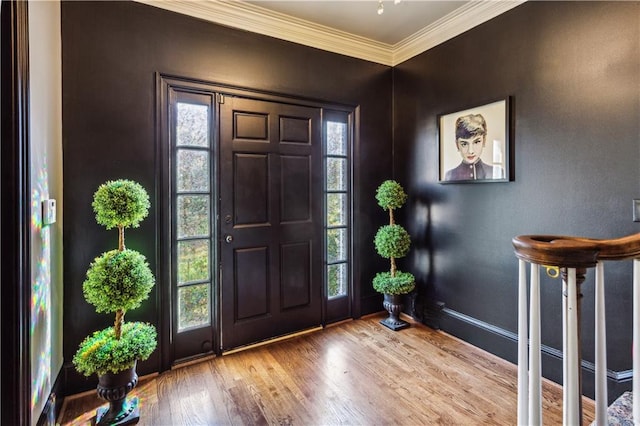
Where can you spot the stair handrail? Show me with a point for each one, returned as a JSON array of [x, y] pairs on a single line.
[[572, 256], [575, 252]]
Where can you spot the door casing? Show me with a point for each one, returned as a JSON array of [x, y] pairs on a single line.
[[164, 84]]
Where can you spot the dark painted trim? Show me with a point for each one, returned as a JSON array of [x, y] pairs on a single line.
[[193, 84], [504, 343], [163, 213], [164, 84], [15, 271], [356, 206]]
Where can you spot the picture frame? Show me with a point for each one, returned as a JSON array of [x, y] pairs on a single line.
[[474, 144]]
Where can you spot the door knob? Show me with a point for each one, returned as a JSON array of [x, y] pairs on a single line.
[[228, 238]]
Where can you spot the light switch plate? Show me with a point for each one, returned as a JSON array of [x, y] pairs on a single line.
[[48, 211], [636, 210]]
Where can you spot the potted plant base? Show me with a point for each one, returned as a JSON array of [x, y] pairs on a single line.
[[128, 414], [114, 387], [393, 304]]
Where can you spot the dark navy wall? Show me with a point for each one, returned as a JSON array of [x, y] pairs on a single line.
[[111, 52], [571, 68], [573, 72]]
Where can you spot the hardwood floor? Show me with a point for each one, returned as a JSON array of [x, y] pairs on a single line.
[[354, 373]]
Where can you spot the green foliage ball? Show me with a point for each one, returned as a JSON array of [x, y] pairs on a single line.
[[392, 241], [390, 195], [402, 283], [120, 203], [101, 352], [118, 280]]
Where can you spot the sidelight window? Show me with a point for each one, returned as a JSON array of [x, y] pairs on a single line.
[[337, 202], [192, 195]]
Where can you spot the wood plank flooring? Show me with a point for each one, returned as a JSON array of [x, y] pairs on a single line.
[[354, 373]]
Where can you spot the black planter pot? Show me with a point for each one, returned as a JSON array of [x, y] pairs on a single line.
[[114, 387], [393, 304]]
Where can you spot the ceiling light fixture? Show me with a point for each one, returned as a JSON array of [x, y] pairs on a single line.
[[381, 6]]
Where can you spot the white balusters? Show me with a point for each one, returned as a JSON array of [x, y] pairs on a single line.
[[571, 360], [523, 339], [535, 363], [529, 346], [573, 256], [636, 341], [601, 348]]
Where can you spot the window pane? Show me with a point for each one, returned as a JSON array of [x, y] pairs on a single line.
[[336, 174], [336, 245], [193, 306], [336, 209], [193, 216], [192, 172], [193, 261], [336, 138], [192, 124], [337, 280]]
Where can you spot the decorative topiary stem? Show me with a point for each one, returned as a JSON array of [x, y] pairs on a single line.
[[121, 246], [118, 323], [393, 267], [392, 259], [119, 313]]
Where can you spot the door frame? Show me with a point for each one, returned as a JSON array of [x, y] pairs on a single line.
[[15, 270], [165, 83]]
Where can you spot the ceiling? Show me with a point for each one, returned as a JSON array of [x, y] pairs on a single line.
[[349, 27], [397, 22]]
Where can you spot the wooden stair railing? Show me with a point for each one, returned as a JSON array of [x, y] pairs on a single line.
[[569, 257]]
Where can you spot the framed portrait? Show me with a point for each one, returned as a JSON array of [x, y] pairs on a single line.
[[474, 144]]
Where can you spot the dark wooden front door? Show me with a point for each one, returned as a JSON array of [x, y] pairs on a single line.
[[270, 219]]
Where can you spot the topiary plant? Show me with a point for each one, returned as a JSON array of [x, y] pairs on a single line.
[[118, 281], [102, 353], [392, 241]]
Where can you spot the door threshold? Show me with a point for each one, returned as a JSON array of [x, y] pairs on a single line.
[[274, 340], [333, 324], [185, 362]]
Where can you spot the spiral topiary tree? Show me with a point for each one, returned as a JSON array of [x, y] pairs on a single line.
[[392, 241], [118, 281]]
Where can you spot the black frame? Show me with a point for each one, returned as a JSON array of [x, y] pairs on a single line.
[[337, 306], [164, 84], [15, 271], [496, 147]]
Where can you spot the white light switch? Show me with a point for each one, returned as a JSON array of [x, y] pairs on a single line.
[[48, 211]]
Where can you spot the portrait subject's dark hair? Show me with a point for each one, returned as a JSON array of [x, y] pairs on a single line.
[[470, 125]]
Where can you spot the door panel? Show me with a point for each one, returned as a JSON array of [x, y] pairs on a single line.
[[251, 284], [271, 208], [296, 188], [251, 190], [296, 275]]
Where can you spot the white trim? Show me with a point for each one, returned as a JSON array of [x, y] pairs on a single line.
[[460, 20], [249, 17]]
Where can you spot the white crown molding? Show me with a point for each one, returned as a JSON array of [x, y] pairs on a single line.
[[259, 20], [249, 17], [462, 19]]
